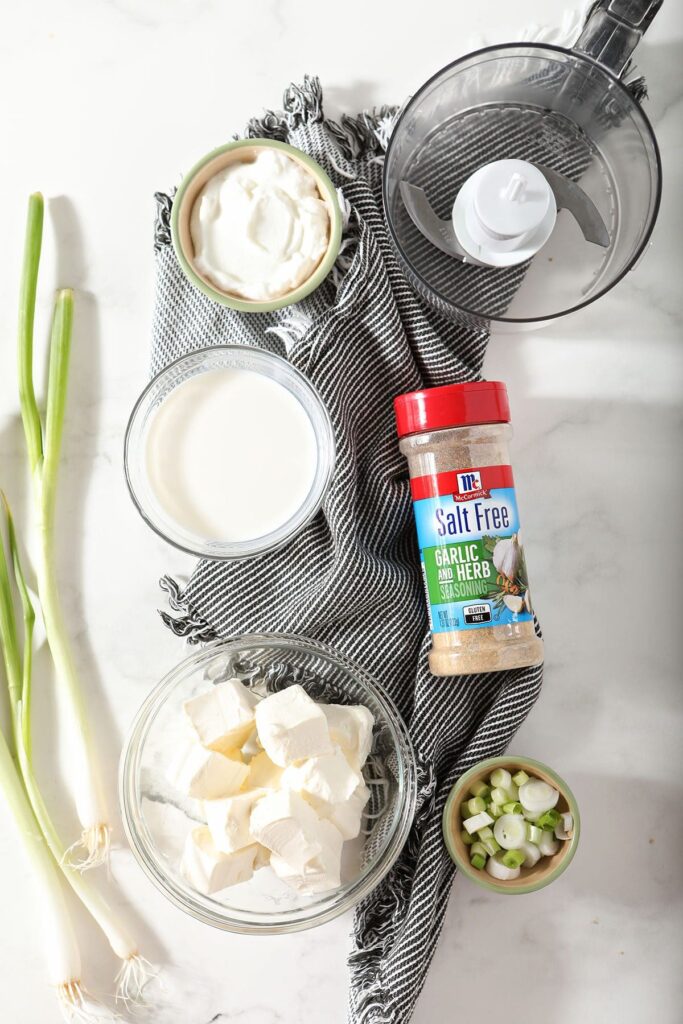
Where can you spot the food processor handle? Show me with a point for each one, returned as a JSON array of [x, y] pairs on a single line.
[[613, 29]]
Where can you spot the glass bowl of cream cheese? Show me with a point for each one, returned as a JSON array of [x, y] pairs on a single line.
[[256, 225], [289, 685], [229, 452]]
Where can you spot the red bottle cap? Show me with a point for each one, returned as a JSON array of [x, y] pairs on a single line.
[[454, 405]]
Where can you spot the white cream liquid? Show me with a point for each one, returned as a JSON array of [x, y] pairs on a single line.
[[231, 455]]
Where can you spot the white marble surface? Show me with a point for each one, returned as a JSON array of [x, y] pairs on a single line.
[[104, 102]]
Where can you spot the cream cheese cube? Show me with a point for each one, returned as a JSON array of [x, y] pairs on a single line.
[[228, 820], [208, 870], [284, 823], [207, 774], [252, 747], [223, 717], [329, 777], [263, 773], [350, 728], [346, 816], [291, 726], [320, 874]]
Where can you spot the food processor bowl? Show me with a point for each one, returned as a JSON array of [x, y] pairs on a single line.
[[157, 818], [553, 107]]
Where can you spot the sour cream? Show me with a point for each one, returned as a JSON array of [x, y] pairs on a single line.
[[259, 229], [231, 455]]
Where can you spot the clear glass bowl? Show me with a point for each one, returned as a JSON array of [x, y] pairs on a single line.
[[157, 819], [160, 387]]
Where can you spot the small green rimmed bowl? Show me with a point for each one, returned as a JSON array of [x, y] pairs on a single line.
[[530, 879], [243, 151]]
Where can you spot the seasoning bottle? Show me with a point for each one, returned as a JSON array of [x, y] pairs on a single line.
[[456, 441]]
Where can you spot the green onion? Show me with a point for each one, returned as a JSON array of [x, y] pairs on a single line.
[[478, 821], [502, 872], [548, 844], [510, 831], [533, 833], [513, 792], [478, 848], [513, 808], [480, 789], [464, 811], [133, 974], [513, 858], [44, 449], [501, 778], [520, 778], [499, 795], [61, 947], [476, 805], [490, 845], [531, 853], [548, 820], [537, 796], [485, 833], [466, 837], [478, 861], [495, 810]]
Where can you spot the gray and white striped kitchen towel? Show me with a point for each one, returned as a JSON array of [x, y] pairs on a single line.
[[352, 577]]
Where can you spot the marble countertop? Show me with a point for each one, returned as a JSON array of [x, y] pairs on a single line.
[[105, 102]]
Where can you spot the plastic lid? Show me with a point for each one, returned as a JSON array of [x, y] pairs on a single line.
[[454, 405]]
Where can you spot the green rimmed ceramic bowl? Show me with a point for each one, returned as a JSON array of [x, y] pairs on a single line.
[[240, 152], [530, 879]]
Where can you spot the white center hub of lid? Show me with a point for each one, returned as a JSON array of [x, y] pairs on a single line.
[[504, 213]]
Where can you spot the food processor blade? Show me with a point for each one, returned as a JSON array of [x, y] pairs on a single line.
[[569, 196], [440, 233]]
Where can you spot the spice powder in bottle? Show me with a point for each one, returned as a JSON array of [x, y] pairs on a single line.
[[456, 439]]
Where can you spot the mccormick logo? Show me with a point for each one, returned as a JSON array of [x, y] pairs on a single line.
[[468, 482], [469, 486]]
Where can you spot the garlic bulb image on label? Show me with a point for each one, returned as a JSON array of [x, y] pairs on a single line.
[[506, 556]]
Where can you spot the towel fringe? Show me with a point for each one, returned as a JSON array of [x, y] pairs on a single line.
[[192, 627]]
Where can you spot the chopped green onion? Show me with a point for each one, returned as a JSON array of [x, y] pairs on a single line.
[[501, 778], [476, 805], [513, 858], [464, 811], [510, 831], [513, 792], [466, 837], [549, 820], [513, 808], [480, 789], [565, 827], [537, 795], [520, 778], [478, 861], [485, 833], [499, 796], [495, 810], [548, 844], [491, 846], [532, 854], [478, 821], [502, 872], [478, 848], [533, 833]]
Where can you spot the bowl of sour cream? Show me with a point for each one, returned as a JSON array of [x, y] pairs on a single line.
[[256, 225], [229, 452]]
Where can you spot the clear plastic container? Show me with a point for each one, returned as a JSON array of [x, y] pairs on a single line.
[[456, 439]]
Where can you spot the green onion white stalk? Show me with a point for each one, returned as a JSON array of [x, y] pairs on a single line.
[[61, 949], [134, 971], [44, 447]]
